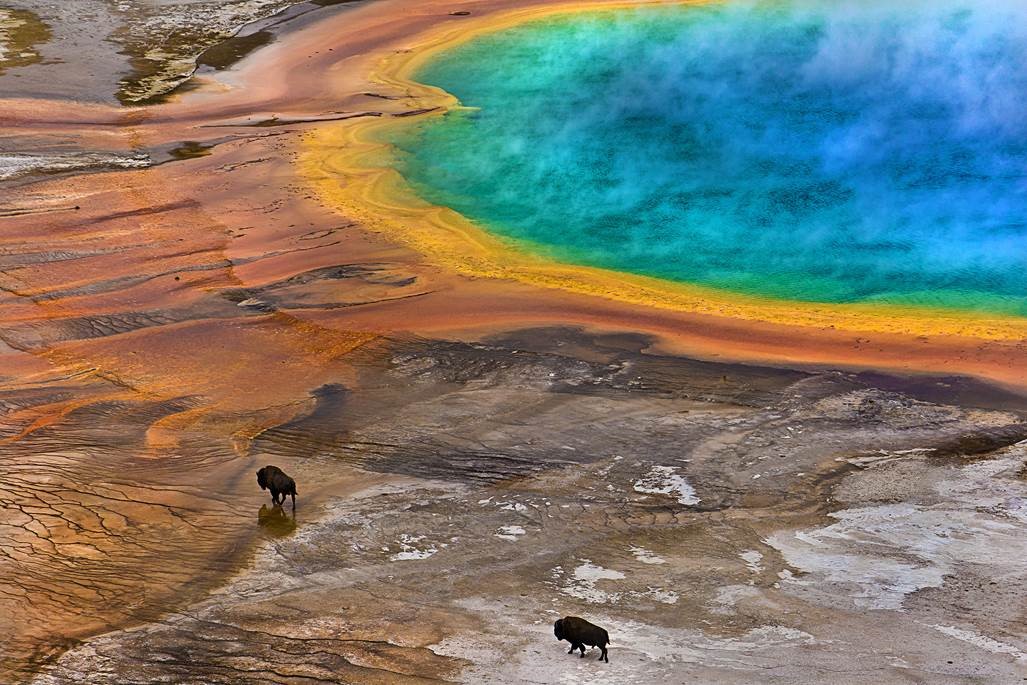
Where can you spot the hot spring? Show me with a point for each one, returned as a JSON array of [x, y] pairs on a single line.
[[828, 152]]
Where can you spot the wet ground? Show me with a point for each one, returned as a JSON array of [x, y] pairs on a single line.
[[178, 309], [726, 523]]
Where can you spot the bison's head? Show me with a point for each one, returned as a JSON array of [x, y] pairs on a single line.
[[262, 478], [558, 629]]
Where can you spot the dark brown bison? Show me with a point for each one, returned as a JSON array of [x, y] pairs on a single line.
[[579, 633], [274, 479]]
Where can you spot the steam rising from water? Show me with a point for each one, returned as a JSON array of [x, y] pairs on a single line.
[[837, 152]]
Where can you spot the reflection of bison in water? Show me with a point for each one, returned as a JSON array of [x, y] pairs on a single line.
[[275, 521], [579, 633], [274, 479]]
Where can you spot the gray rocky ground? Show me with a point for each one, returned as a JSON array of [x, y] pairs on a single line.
[[132, 51], [726, 523]]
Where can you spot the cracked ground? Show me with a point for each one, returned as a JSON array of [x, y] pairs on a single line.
[[728, 523]]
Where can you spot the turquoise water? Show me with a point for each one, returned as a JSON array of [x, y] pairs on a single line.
[[832, 151]]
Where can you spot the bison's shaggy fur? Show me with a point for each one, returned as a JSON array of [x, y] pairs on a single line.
[[274, 479], [579, 633]]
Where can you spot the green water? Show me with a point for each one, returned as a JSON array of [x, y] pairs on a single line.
[[834, 152]]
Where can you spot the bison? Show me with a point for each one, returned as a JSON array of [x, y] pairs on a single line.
[[274, 479], [579, 633]]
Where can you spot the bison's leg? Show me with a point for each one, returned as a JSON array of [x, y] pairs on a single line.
[[293, 500], [582, 651], [573, 647], [603, 657]]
